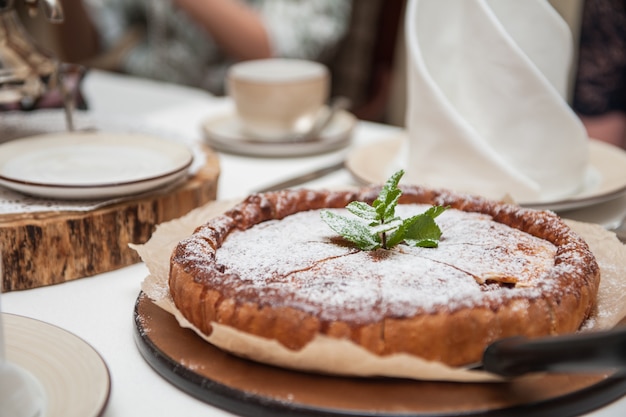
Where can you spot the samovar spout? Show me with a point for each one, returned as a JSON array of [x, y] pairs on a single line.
[[52, 10]]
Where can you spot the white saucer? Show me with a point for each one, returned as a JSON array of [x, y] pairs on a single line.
[[91, 165], [224, 134], [74, 376], [369, 164]]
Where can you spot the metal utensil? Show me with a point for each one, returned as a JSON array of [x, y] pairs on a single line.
[[337, 104], [581, 352], [302, 178], [620, 230]]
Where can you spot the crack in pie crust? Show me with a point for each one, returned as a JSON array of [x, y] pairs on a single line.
[[270, 267]]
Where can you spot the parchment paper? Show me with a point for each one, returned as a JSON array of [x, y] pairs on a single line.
[[329, 355]]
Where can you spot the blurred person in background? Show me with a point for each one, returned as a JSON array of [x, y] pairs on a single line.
[[193, 42], [600, 87]]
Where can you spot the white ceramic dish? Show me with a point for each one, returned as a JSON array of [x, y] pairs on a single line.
[[74, 376], [224, 133], [91, 165], [369, 165]]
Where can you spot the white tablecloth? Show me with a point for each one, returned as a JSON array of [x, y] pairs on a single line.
[[99, 309]]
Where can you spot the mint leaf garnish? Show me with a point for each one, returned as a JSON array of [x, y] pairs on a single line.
[[353, 230], [377, 226]]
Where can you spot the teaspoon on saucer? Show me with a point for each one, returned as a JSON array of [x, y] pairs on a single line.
[[337, 104]]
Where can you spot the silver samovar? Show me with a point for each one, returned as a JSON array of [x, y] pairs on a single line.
[[26, 71]]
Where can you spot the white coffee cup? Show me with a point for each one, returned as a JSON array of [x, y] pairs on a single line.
[[278, 99]]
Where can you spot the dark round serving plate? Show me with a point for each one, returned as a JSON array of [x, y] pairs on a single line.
[[251, 389]]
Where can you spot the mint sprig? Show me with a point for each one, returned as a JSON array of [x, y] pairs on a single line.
[[377, 226]]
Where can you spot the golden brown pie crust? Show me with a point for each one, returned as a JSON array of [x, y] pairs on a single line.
[[455, 335]]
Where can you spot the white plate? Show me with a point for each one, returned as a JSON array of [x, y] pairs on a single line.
[[224, 133], [91, 165], [74, 376], [369, 165]]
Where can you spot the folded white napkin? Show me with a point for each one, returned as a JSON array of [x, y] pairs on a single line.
[[486, 109]]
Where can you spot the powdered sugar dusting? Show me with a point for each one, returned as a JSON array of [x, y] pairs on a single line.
[[300, 262]]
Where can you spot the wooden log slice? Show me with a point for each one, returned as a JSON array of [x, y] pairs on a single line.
[[52, 247]]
